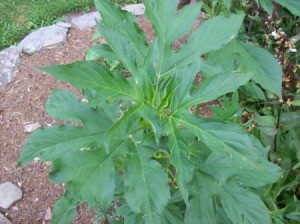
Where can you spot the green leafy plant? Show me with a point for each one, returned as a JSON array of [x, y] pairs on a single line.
[[136, 142], [274, 120]]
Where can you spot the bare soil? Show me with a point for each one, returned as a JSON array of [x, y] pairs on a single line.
[[22, 102]]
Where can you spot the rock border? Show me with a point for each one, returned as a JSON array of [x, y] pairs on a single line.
[[49, 36]]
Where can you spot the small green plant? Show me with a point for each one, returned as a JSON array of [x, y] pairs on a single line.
[[136, 140]]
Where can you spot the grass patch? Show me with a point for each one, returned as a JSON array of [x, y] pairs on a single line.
[[20, 17]]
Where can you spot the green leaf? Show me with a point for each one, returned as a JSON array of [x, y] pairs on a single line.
[[64, 105], [216, 86], [240, 205], [151, 116], [89, 74], [296, 103], [168, 26], [227, 3], [64, 210], [292, 5], [172, 215], [88, 174], [267, 5], [101, 50], [126, 54], [230, 110], [201, 209], [146, 184], [123, 22], [210, 36], [253, 90], [50, 143], [235, 154], [129, 216], [186, 82], [122, 128], [265, 68], [290, 120], [180, 159]]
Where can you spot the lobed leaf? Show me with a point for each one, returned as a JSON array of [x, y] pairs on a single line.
[[146, 184], [210, 36], [180, 159], [94, 75], [64, 210], [265, 68], [51, 143], [240, 205], [235, 154]]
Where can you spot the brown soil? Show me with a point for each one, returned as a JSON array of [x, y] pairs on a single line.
[[22, 102]]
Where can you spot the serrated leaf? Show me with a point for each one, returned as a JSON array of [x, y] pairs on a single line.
[[180, 159], [265, 68], [235, 154], [129, 216], [94, 75], [186, 82], [267, 5], [126, 54], [146, 184], [151, 116], [88, 174], [168, 26], [253, 90], [122, 128], [201, 209], [214, 87], [64, 210], [240, 205], [50, 143], [210, 36], [64, 105], [172, 215], [123, 22], [101, 50], [292, 5]]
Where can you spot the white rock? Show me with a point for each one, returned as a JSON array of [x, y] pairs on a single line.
[[3, 219], [135, 9], [89, 20], [9, 194], [86, 21], [64, 25], [9, 59], [43, 38], [48, 214], [28, 128]]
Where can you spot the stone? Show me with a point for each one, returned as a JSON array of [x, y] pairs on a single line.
[[86, 21], [89, 20], [9, 194], [3, 219], [9, 59], [42, 38], [64, 25], [28, 128], [135, 9], [48, 214]]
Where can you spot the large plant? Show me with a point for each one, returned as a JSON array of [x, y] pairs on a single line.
[[136, 142]]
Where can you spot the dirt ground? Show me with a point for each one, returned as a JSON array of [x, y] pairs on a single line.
[[23, 102]]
